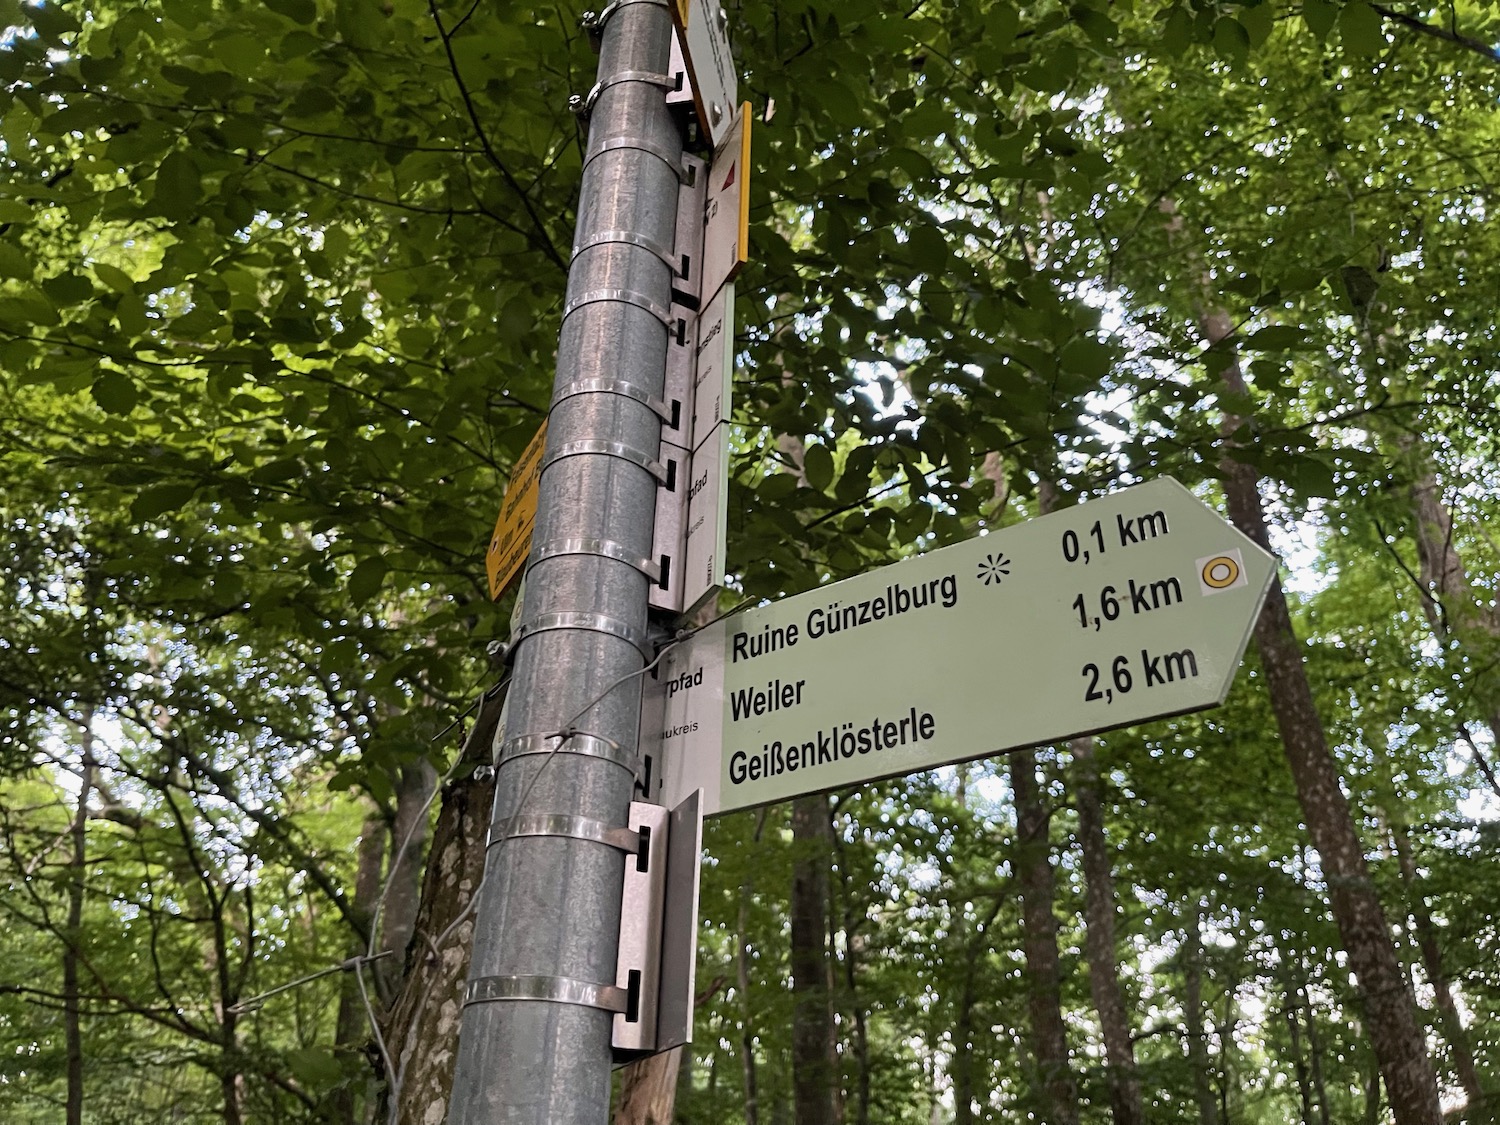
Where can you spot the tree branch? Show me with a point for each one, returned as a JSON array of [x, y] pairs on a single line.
[[1422, 27]]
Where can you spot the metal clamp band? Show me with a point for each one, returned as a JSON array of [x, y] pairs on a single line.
[[593, 622], [573, 827], [586, 745], [595, 21], [554, 990], [607, 449], [632, 238], [604, 548], [620, 296], [672, 160], [646, 76], [616, 387]]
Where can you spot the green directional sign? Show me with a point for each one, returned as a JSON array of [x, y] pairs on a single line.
[[1131, 607]]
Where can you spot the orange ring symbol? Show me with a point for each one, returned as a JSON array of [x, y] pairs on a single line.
[[1220, 572]]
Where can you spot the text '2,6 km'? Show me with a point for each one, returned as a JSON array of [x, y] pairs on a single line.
[[1130, 607]]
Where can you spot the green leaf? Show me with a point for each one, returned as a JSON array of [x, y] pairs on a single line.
[[116, 278], [1231, 40], [15, 211], [164, 498], [1087, 357], [817, 463], [1319, 15], [178, 186], [777, 486], [1361, 29], [1276, 338], [1258, 20], [115, 392], [929, 249], [14, 262], [51, 21], [1177, 32], [366, 579], [299, 11]]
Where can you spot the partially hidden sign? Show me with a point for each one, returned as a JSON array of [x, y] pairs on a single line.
[[703, 32], [1134, 606], [511, 541], [726, 231]]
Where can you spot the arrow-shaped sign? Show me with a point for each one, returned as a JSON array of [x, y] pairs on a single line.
[[1131, 607]]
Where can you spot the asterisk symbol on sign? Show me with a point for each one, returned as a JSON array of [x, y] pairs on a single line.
[[994, 568]]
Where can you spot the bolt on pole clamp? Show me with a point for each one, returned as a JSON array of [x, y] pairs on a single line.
[[593, 22], [584, 106], [553, 990]]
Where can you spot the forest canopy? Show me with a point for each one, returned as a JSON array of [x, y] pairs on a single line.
[[280, 288]]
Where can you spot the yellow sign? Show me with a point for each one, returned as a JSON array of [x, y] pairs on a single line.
[[511, 542]]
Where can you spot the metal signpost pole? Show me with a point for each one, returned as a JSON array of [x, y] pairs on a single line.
[[535, 1034]]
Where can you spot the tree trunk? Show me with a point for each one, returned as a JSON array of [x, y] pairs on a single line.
[[1314, 1040], [1192, 1003], [1100, 906], [352, 1030], [1057, 1092], [1299, 1064], [1448, 597], [1100, 945], [853, 949], [1390, 1011], [747, 1031], [648, 1090], [1432, 960], [742, 988], [398, 911], [962, 1065], [814, 1067], [77, 874], [421, 1029]]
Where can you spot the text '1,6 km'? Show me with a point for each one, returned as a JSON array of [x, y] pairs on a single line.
[[1131, 607]]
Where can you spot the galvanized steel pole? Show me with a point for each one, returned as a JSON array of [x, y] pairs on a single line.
[[547, 923]]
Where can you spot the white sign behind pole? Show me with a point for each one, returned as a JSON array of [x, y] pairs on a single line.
[[708, 519], [704, 35], [726, 232], [715, 365], [1131, 607]]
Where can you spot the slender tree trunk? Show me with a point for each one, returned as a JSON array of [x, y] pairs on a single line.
[[1299, 1064], [742, 987], [1100, 905], [1314, 1041], [1437, 976], [1448, 597], [648, 1090], [398, 913], [1100, 944], [77, 874], [352, 1029], [962, 1065], [1197, 1036], [814, 1073], [1390, 1011], [1056, 1088], [853, 949], [421, 1028]]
